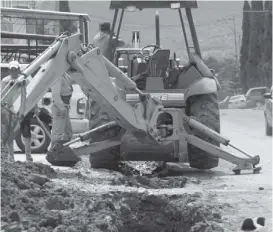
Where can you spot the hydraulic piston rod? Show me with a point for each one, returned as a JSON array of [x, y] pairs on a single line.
[[213, 135], [87, 135]]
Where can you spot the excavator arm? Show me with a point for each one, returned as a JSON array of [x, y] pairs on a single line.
[[146, 121], [63, 56]]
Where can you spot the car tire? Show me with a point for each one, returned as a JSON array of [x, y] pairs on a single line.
[[205, 109], [268, 129], [41, 143]]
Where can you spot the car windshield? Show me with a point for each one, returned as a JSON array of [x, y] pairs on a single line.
[[237, 97]]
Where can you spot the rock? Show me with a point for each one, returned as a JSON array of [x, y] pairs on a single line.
[[4, 225], [125, 209], [32, 229], [49, 221], [22, 185], [4, 219], [48, 185], [14, 216], [60, 228], [71, 229], [14, 228], [38, 179], [261, 188], [34, 193], [55, 203]]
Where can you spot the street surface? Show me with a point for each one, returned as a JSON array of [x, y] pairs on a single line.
[[237, 196]]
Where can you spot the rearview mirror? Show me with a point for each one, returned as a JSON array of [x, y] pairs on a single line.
[[268, 96]]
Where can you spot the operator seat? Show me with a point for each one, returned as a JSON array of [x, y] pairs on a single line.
[[156, 70]]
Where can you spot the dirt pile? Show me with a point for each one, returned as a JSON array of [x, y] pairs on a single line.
[[31, 201]]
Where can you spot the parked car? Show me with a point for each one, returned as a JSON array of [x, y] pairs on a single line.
[[237, 102], [224, 104], [255, 96], [40, 140], [268, 112]]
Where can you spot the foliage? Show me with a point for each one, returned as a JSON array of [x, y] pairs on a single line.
[[265, 67], [245, 43], [254, 48], [225, 71], [256, 53], [66, 25]]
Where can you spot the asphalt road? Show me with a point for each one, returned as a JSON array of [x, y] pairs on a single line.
[[245, 195]]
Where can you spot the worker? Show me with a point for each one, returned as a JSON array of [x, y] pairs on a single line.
[[61, 131], [25, 129], [102, 39]]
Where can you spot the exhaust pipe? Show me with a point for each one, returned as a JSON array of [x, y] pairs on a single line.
[[136, 39], [157, 30]]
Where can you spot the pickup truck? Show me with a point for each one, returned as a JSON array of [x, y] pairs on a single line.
[[40, 140]]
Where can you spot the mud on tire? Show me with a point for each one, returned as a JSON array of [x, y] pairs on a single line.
[[268, 129], [204, 108]]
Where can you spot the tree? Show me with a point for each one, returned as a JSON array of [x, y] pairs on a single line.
[[244, 47], [265, 66], [226, 73], [66, 25], [254, 48]]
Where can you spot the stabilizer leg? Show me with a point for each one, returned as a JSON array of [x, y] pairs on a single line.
[[242, 163]]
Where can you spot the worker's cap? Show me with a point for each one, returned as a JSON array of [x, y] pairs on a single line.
[[14, 64], [106, 26]]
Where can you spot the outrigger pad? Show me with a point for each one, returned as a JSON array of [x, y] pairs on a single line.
[[63, 157]]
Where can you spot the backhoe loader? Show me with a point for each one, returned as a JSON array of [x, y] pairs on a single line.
[[148, 120], [191, 89]]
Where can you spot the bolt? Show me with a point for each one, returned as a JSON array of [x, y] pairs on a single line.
[[66, 41]]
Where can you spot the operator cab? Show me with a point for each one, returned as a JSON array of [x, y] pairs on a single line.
[[152, 67]]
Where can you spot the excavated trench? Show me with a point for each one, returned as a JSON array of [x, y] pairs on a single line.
[[33, 199]]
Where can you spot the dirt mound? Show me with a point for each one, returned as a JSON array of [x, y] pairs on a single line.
[[32, 202]]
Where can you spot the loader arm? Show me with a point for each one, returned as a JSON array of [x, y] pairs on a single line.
[[63, 56]]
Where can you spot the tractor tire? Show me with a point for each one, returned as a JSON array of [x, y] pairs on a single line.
[[268, 129], [107, 159], [205, 109]]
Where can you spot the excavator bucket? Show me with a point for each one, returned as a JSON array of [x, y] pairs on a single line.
[[62, 156]]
